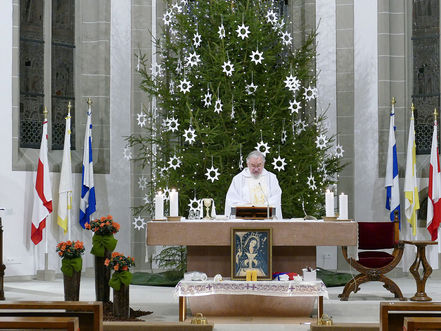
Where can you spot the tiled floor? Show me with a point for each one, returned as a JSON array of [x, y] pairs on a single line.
[[361, 307]]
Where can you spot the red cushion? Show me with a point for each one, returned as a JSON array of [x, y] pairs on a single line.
[[374, 259], [376, 235]]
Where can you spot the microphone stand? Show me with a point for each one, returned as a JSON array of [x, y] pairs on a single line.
[[267, 202]]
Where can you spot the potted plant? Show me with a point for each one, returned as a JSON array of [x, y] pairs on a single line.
[[71, 265], [103, 244], [120, 282]]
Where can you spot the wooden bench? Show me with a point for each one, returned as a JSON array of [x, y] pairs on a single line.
[[39, 322], [392, 314], [89, 313], [422, 323]]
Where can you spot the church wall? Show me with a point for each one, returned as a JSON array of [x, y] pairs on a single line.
[[21, 257]]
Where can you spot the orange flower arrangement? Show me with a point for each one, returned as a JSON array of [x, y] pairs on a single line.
[[103, 226], [119, 262], [70, 249]]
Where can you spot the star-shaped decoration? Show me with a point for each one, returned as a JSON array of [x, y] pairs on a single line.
[[301, 126], [292, 83], [294, 106], [146, 199], [310, 93], [241, 162], [212, 174], [185, 86], [271, 17], [243, 31], [163, 171], [253, 115], [167, 18], [279, 163], [142, 183], [218, 106], [256, 57], [321, 141], [233, 112], [221, 31], [195, 205], [177, 8], [286, 38], [251, 88], [284, 136], [192, 59], [207, 99], [339, 151], [142, 119], [156, 70], [127, 153], [174, 162], [262, 147], [228, 68], [311, 182], [197, 39], [190, 135], [139, 223], [173, 124]]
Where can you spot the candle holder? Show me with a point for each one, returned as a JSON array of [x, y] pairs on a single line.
[[174, 218]]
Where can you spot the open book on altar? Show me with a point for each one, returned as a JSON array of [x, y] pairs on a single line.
[[253, 212]]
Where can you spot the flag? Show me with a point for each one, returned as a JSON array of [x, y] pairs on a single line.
[[392, 183], [434, 194], [411, 199], [42, 192], [87, 203], [65, 188]]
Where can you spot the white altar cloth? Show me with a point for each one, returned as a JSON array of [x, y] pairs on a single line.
[[236, 287]]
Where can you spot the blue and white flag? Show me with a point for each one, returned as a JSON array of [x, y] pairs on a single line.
[[88, 202], [392, 183]]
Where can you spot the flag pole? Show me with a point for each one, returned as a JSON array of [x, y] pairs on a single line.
[[46, 244]]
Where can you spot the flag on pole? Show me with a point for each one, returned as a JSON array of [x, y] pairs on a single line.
[[42, 191], [411, 199], [88, 202], [65, 188], [392, 182], [434, 194]]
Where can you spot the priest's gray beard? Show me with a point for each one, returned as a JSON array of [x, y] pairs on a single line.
[[255, 176]]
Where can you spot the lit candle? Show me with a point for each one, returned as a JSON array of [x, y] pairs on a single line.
[[343, 206], [329, 203], [159, 206], [174, 203]]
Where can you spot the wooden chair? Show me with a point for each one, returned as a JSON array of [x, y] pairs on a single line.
[[372, 263]]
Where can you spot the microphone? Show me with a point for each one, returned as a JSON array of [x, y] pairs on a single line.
[[266, 200]]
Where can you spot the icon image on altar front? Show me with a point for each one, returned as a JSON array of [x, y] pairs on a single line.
[[251, 250]]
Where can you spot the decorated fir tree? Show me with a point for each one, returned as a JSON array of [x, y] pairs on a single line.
[[230, 79]]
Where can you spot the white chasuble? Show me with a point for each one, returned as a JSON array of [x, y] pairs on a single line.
[[246, 190]]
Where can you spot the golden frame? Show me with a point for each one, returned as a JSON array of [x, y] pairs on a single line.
[[251, 249]]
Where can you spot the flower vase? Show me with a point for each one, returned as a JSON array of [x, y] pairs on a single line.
[[72, 286], [121, 308], [102, 277]]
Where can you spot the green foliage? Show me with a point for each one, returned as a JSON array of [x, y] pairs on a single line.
[[247, 117], [172, 258]]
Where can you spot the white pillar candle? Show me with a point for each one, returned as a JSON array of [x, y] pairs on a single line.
[[174, 202], [329, 203], [159, 206], [343, 206]]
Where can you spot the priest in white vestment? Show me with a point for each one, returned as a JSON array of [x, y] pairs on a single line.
[[254, 186]]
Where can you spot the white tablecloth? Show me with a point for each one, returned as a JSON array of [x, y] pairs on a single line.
[[236, 287]]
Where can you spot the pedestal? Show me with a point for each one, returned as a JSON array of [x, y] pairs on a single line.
[[121, 307], [102, 277], [72, 286]]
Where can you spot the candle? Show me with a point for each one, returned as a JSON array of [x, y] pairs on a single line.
[[329, 203], [174, 203], [343, 206], [159, 206], [254, 276]]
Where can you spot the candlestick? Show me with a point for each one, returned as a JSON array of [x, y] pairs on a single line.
[[174, 203], [329, 203], [343, 206], [159, 206]]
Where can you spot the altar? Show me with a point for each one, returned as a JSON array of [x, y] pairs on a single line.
[[294, 241], [293, 248]]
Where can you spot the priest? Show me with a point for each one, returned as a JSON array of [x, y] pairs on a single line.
[[254, 186]]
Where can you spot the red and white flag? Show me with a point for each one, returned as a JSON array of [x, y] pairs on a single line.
[[434, 202], [42, 192]]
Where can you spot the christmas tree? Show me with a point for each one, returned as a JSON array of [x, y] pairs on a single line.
[[230, 79]]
